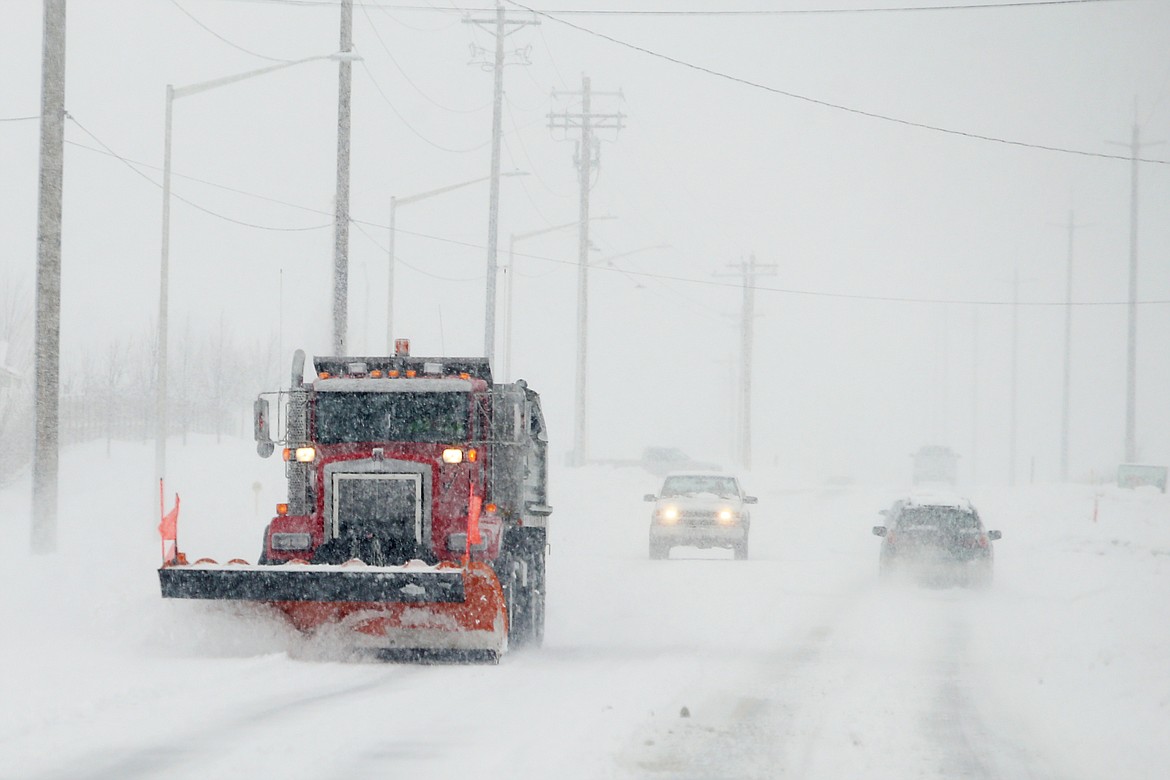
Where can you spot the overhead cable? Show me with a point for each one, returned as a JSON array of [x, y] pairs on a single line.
[[837, 106]]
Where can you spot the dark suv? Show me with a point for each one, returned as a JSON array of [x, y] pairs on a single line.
[[936, 540]]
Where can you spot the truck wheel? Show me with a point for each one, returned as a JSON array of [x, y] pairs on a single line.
[[516, 602], [659, 551], [741, 551], [525, 602], [536, 580]]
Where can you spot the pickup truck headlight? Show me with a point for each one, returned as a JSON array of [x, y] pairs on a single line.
[[668, 515], [726, 516]]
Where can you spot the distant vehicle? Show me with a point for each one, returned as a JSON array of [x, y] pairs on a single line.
[[1133, 475], [936, 539], [700, 509], [935, 464], [660, 461]]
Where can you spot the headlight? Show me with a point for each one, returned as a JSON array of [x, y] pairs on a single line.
[[306, 454], [668, 514], [726, 516], [452, 455]]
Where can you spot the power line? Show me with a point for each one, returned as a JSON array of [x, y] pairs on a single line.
[[398, 259], [190, 203], [409, 126], [837, 106], [700, 12], [410, 81], [196, 179], [235, 46], [19, 118], [132, 165], [786, 290]]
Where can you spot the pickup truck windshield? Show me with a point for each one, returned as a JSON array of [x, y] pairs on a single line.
[[690, 485], [383, 417]]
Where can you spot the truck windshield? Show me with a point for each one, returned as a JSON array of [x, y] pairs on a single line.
[[377, 417]]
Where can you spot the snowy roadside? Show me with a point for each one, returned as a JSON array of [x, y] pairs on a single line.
[[792, 663]]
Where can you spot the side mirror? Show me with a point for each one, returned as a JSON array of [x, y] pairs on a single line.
[[260, 429], [649, 497], [884, 513], [879, 530], [993, 535], [751, 500]]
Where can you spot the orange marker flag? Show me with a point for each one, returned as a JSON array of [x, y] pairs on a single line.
[[473, 506], [168, 529], [473, 510]]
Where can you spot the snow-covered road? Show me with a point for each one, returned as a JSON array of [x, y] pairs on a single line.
[[792, 664]]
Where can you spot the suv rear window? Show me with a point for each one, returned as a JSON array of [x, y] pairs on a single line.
[[944, 518]]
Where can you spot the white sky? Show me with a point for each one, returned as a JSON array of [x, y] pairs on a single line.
[[840, 203]]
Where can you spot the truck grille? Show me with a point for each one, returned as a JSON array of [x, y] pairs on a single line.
[[697, 517], [386, 506]]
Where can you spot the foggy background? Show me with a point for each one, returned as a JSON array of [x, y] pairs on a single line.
[[843, 204]]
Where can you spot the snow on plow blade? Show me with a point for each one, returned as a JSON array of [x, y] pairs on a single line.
[[310, 583], [415, 608]]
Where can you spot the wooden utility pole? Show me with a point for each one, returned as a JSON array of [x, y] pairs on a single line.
[[341, 204], [586, 121], [48, 303], [748, 271], [499, 27]]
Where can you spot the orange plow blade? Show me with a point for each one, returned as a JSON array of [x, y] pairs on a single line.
[[413, 610]]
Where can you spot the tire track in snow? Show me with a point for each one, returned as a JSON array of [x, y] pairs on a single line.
[[169, 755]]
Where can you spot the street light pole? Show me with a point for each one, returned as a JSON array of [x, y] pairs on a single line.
[[341, 202], [511, 271], [395, 202], [581, 454], [174, 93]]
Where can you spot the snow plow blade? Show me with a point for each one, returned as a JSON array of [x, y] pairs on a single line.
[[416, 609], [309, 583]]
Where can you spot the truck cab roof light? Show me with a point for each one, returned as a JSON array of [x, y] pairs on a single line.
[[376, 374], [282, 509], [464, 375], [392, 373], [410, 373], [323, 375]]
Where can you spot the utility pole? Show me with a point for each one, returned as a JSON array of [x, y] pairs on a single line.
[[588, 158], [341, 205], [974, 395], [500, 29], [749, 271], [48, 305], [1135, 146], [1015, 376], [1066, 403]]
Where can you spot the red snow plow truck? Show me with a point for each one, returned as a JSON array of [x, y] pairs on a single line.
[[417, 508]]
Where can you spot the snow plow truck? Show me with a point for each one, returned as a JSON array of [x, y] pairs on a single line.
[[417, 509]]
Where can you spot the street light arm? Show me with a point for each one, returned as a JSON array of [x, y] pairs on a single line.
[[611, 258], [451, 187], [203, 86], [541, 232]]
